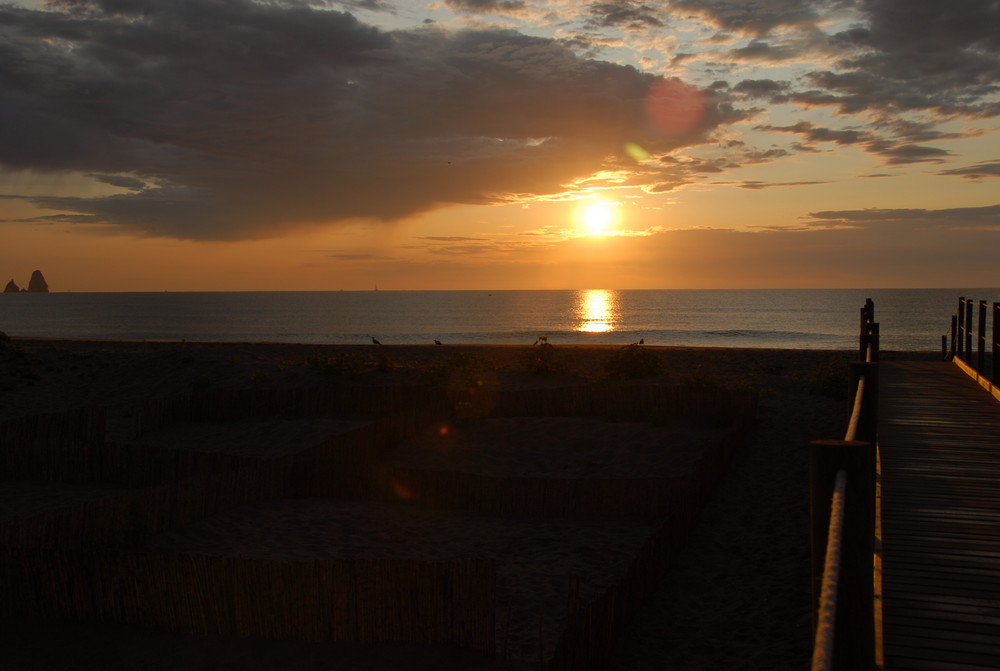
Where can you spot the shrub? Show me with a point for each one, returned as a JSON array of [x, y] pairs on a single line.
[[632, 362], [832, 378], [543, 358], [341, 364], [202, 382], [459, 368]]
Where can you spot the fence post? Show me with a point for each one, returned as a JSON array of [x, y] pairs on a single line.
[[981, 340], [854, 646]]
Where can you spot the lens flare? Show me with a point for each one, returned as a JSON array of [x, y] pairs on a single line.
[[636, 152], [402, 492], [674, 108]]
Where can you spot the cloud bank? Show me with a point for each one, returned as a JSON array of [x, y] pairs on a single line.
[[228, 119], [238, 119]]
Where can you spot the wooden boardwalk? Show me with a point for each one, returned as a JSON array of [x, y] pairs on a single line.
[[939, 439]]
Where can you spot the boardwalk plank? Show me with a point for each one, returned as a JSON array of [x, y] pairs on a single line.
[[939, 440]]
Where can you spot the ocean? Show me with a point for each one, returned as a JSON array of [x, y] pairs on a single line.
[[909, 319]]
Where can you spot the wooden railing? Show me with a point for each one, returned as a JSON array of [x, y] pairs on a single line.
[[842, 488], [969, 346]]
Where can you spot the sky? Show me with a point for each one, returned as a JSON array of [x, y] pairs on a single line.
[[243, 145]]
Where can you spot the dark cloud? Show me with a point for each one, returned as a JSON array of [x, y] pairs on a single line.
[[977, 171], [763, 88], [755, 185], [624, 13], [913, 55], [121, 181], [245, 118], [912, 153], [814, 133], [369, 5], [900, 56], [450, 238], [460, 250], [488, 6], [958, 217], [894, 150], [759, 50], [755, 17], [358, 256]]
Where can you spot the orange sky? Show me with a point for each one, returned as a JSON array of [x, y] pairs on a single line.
[[470, 144]]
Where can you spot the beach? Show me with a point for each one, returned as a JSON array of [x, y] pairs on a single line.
[[737, 596]]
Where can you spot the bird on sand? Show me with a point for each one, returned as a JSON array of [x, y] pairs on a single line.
[[437, 342], [375, 342]]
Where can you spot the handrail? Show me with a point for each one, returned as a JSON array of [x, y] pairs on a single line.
[[822, 658], [962, 337], [843, 535], [859, 397]]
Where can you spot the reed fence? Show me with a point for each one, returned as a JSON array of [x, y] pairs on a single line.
[[205, 484], [357, 600], [84, 561], [592, 628], [60, 447], [976, 350], [217, 404], [842, 489], [562, 497]]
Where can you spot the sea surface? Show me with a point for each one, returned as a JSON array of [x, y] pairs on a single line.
[[909, 319]]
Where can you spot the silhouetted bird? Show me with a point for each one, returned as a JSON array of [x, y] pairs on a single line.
[[437, 342], [642, 341], [375, 341]]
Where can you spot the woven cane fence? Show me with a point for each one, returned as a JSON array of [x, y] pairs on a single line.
[[357, 600], [81, 562], [60, 447]]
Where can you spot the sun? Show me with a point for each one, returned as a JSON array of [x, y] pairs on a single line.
[[597, 218]]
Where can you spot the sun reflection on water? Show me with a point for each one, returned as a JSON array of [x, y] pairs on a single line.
[[596, 311]]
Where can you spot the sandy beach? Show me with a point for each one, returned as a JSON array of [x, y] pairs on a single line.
[[738, 597]]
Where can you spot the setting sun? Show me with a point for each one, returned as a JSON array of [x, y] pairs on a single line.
[[597, 218]]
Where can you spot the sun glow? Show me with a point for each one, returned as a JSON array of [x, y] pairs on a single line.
[[597, 218], [596, 311]]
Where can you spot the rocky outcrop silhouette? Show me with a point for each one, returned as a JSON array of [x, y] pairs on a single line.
[[37, 282], [11, 288]]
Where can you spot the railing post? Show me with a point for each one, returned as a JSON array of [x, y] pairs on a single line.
[[873, 341], [968, 331], [961, 326], [995, 368], [863, 334], [855, 621], [954, 333], [981, 340]]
